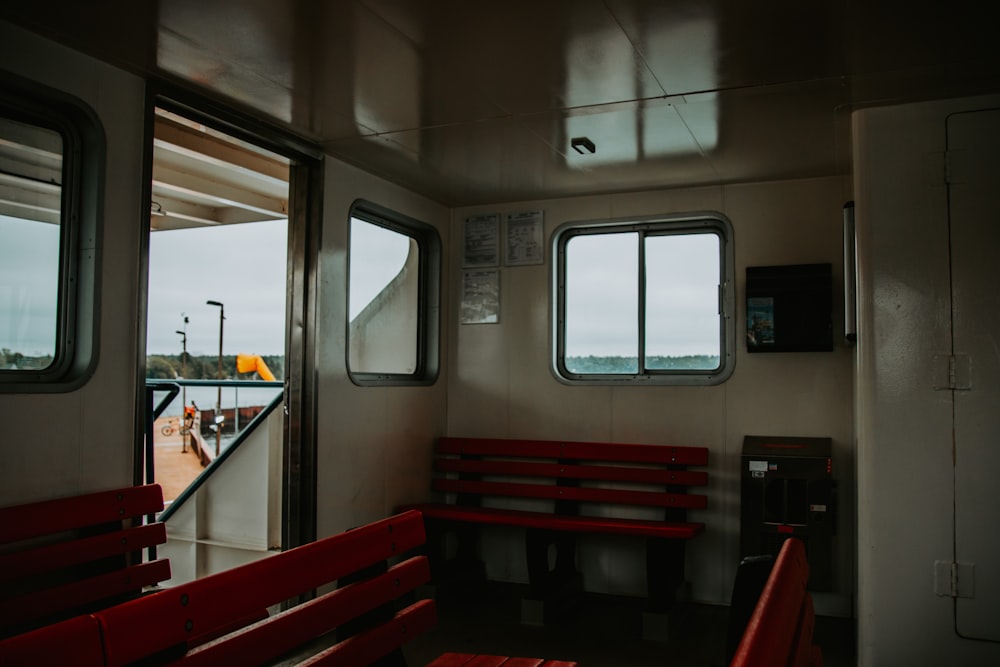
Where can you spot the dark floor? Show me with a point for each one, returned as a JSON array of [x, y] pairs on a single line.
[[600, 631]]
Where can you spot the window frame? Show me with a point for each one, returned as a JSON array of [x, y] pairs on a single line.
[[657, 225], [75, 354], [428, 296]]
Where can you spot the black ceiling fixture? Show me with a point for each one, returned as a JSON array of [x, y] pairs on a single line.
[[580, 144]]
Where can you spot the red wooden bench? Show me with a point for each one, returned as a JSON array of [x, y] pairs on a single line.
[[223, 619], [64, 557], [573, 487], [780, 629]]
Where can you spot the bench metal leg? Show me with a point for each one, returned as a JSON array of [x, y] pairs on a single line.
[[664, 572], [551, 591], [664, 578], [459, 575]]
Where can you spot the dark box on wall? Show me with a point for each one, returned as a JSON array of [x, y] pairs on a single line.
[[790, 308]]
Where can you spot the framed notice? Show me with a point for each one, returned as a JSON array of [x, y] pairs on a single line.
[[481, 297], [525, 239], [481, 241]]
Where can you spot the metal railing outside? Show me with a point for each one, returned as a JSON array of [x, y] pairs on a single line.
[[157, 408]]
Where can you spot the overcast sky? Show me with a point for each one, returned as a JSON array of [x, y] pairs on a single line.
[[29, 261], [244, 267], [241, 266]]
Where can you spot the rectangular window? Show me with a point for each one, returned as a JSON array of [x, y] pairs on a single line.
[[645, 301], [393, 277], [50, 158]]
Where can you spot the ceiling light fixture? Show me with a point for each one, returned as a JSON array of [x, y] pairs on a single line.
[[580, 144]]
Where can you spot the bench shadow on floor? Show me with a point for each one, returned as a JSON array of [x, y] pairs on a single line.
[[600, 631]]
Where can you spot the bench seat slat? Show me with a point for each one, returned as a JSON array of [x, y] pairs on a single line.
[[577, 451], [568, 471], [31, 606], [172, 617], [365, 648], [569, 523], [451, 660], [275, 636], [48, 517], [502, 661], [582, 494], [18, 564]]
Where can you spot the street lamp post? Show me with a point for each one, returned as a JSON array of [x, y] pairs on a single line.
[[184, 355], [218, 396]]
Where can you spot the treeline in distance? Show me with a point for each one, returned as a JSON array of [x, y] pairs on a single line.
[[204, 367]]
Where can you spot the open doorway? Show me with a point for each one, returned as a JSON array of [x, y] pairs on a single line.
[[216, 294], [220, 294]]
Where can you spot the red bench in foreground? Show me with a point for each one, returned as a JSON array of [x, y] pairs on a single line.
[[223, 619], [64, 557], [573, 487], [780, 629]]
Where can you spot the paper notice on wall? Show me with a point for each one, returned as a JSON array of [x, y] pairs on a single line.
[[481, 241], [481, 297], [525, 239]]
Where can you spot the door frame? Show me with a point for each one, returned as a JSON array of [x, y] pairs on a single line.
[[304, 229]]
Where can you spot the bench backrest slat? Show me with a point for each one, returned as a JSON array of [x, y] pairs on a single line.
[[782, 616], [170, 619], [579, 494], [20, 564], [269, 639], [367, 647], [78, 594], [75, 641], [571, 471], [575, 451], [48, 517]]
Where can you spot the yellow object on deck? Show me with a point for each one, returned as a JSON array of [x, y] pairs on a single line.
[[250, 363]]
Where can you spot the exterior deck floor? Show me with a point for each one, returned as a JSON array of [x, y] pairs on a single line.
[[175, 468]]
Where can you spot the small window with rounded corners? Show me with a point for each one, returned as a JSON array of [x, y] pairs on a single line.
[[645, 301], [51, 162], [393, 298]]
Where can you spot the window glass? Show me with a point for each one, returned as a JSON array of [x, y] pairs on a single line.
[[393, 285], [29, 293], [30, 215], [602, 306], [644, 301], [383, 303], [682, 302]]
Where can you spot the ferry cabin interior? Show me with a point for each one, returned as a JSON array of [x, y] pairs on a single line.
[[771, 116]]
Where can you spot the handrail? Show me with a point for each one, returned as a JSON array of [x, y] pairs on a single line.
[[226, 453], [160, 384], [172, 388]]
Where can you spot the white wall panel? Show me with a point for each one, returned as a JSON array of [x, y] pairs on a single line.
[[500, 383], [905, 477], [83, 440], [363, 432]]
